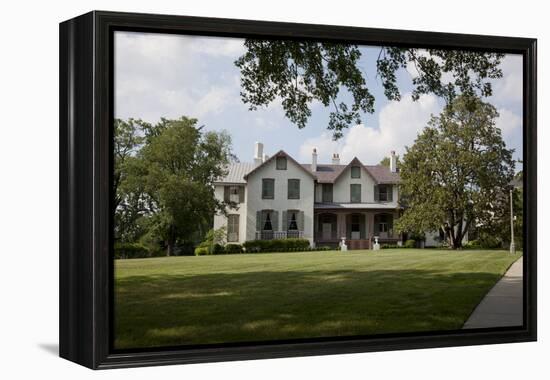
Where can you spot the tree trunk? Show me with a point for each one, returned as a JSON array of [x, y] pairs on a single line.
[[170, 243], [169, 249], [459, 234]]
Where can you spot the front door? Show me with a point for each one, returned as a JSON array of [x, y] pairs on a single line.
[[327, 231]]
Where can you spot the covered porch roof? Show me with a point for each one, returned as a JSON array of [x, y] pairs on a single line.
[[355, 206]]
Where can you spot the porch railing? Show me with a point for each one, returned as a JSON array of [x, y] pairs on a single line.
[[271, 235]]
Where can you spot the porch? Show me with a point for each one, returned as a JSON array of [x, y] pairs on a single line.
[[359, 227]]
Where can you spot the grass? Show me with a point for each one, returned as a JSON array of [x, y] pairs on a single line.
[[256, 297]]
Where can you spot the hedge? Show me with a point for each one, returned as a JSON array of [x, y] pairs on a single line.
[[276, 245], [484, 243], [389, 246], [233, 248], [130, 251]]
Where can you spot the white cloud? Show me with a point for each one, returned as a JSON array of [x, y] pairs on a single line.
[[218, 46], [161, 75], [508, 89], [399, 123], [508, 122]]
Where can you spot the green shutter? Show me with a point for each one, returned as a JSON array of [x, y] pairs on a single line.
[[241, 194], [300, 221], [355, 193], [285, 223], [275, 220], [390, 192], [376, 193], [226, 193], [258, 220]]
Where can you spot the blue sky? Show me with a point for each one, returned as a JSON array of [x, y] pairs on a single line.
[[170, 76]]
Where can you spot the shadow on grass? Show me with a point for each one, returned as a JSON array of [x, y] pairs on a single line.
[[254, 306]]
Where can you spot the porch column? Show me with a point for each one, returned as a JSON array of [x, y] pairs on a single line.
[[341, 225], [370, 224]]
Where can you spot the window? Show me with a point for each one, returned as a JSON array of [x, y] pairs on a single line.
[[355, 172], [293, 189], [234, 194], [268, 226], [292, 220], [268, 188], [355, 193], [383, 224], [232, 228], [281, 163], [327, 192], [355, 223], [383, 193]]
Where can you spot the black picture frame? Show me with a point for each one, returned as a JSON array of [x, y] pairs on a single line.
[[86, 119]]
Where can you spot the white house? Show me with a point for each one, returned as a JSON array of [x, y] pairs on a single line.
[[277, 197]]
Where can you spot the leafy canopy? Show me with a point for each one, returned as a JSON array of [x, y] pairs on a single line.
[[458, 171], [172, 176], [302, 72]]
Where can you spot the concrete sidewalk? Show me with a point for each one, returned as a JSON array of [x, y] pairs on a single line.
[[503, 305]]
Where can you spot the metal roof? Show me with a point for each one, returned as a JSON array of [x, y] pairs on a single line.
[[236, 172]]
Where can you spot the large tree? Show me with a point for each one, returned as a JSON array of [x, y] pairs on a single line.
[[127, 141], [457, 172], [302, 72], [170, 179]]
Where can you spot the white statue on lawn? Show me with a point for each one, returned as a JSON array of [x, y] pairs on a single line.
[[343, 246], [376, 245]]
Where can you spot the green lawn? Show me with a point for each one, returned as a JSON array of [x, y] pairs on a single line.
[[231, 298]]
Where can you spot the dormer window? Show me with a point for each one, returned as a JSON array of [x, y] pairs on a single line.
[[281, 163], [355, 172]]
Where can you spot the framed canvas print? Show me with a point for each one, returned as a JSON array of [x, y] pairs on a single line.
[[236, 189]]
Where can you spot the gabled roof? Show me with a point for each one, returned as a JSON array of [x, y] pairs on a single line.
[[382, 174], [354, 162], [280, 153], [326, 173]]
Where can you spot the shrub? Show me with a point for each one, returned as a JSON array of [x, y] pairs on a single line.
[[233, 248], [410, 244], [484, 243], [276, 245], [217, 249], [130, 251], [201, 251], [387, 246]]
